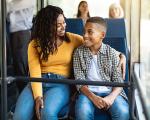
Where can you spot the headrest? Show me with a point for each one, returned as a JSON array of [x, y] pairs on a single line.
[[116, 28], [74, 25]]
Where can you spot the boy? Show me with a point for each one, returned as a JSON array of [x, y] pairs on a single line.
[[97, 61]]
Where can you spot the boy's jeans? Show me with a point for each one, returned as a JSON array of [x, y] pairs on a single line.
[[84, 109], [56, 96]]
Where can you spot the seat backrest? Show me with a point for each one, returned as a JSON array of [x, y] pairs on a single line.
[[116, 38], [116, 35], [74, 25]]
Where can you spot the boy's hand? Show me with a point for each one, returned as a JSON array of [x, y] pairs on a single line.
[[38, 106], [98, 102], [109, 101], [122, 64]]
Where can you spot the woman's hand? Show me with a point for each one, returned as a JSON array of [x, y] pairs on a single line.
[[122, 63], [38, 106]]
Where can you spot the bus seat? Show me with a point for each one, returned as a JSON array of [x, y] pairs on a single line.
[[74, 25], [116, 38]]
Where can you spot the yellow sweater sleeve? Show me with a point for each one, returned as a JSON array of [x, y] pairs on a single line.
[[80, 41], [76, 39], [35, 69]]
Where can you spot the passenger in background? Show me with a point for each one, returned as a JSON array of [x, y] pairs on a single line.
[[96, 61], [19, 16], [83, 11], [49, 56], [116, 11]]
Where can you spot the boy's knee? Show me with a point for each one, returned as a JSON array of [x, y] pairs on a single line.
[[124, 113], [121, 114]]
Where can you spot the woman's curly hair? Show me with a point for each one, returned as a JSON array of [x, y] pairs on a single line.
[[44, 30]]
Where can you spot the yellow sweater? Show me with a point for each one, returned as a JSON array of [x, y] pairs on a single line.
[[58, 63]]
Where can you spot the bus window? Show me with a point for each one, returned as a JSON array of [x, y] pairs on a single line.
[[145, 49]]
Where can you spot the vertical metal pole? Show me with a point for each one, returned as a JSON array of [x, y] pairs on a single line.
[[4, 64], [47, 2], [42, 3]]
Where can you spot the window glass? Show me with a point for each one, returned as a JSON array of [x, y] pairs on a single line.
[[145, 49]]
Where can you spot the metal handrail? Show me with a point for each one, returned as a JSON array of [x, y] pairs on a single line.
[[78, 82], [67, 81], [139, 88]]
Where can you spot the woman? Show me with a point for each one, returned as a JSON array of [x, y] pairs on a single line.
[[49, 56], [115, 11], [83, 11]]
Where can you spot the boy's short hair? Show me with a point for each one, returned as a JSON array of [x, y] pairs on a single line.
[[99, 20]]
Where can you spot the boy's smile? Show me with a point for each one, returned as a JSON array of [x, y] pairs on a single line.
[[93, 35]]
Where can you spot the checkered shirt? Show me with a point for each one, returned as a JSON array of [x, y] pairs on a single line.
[[108, 60]]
